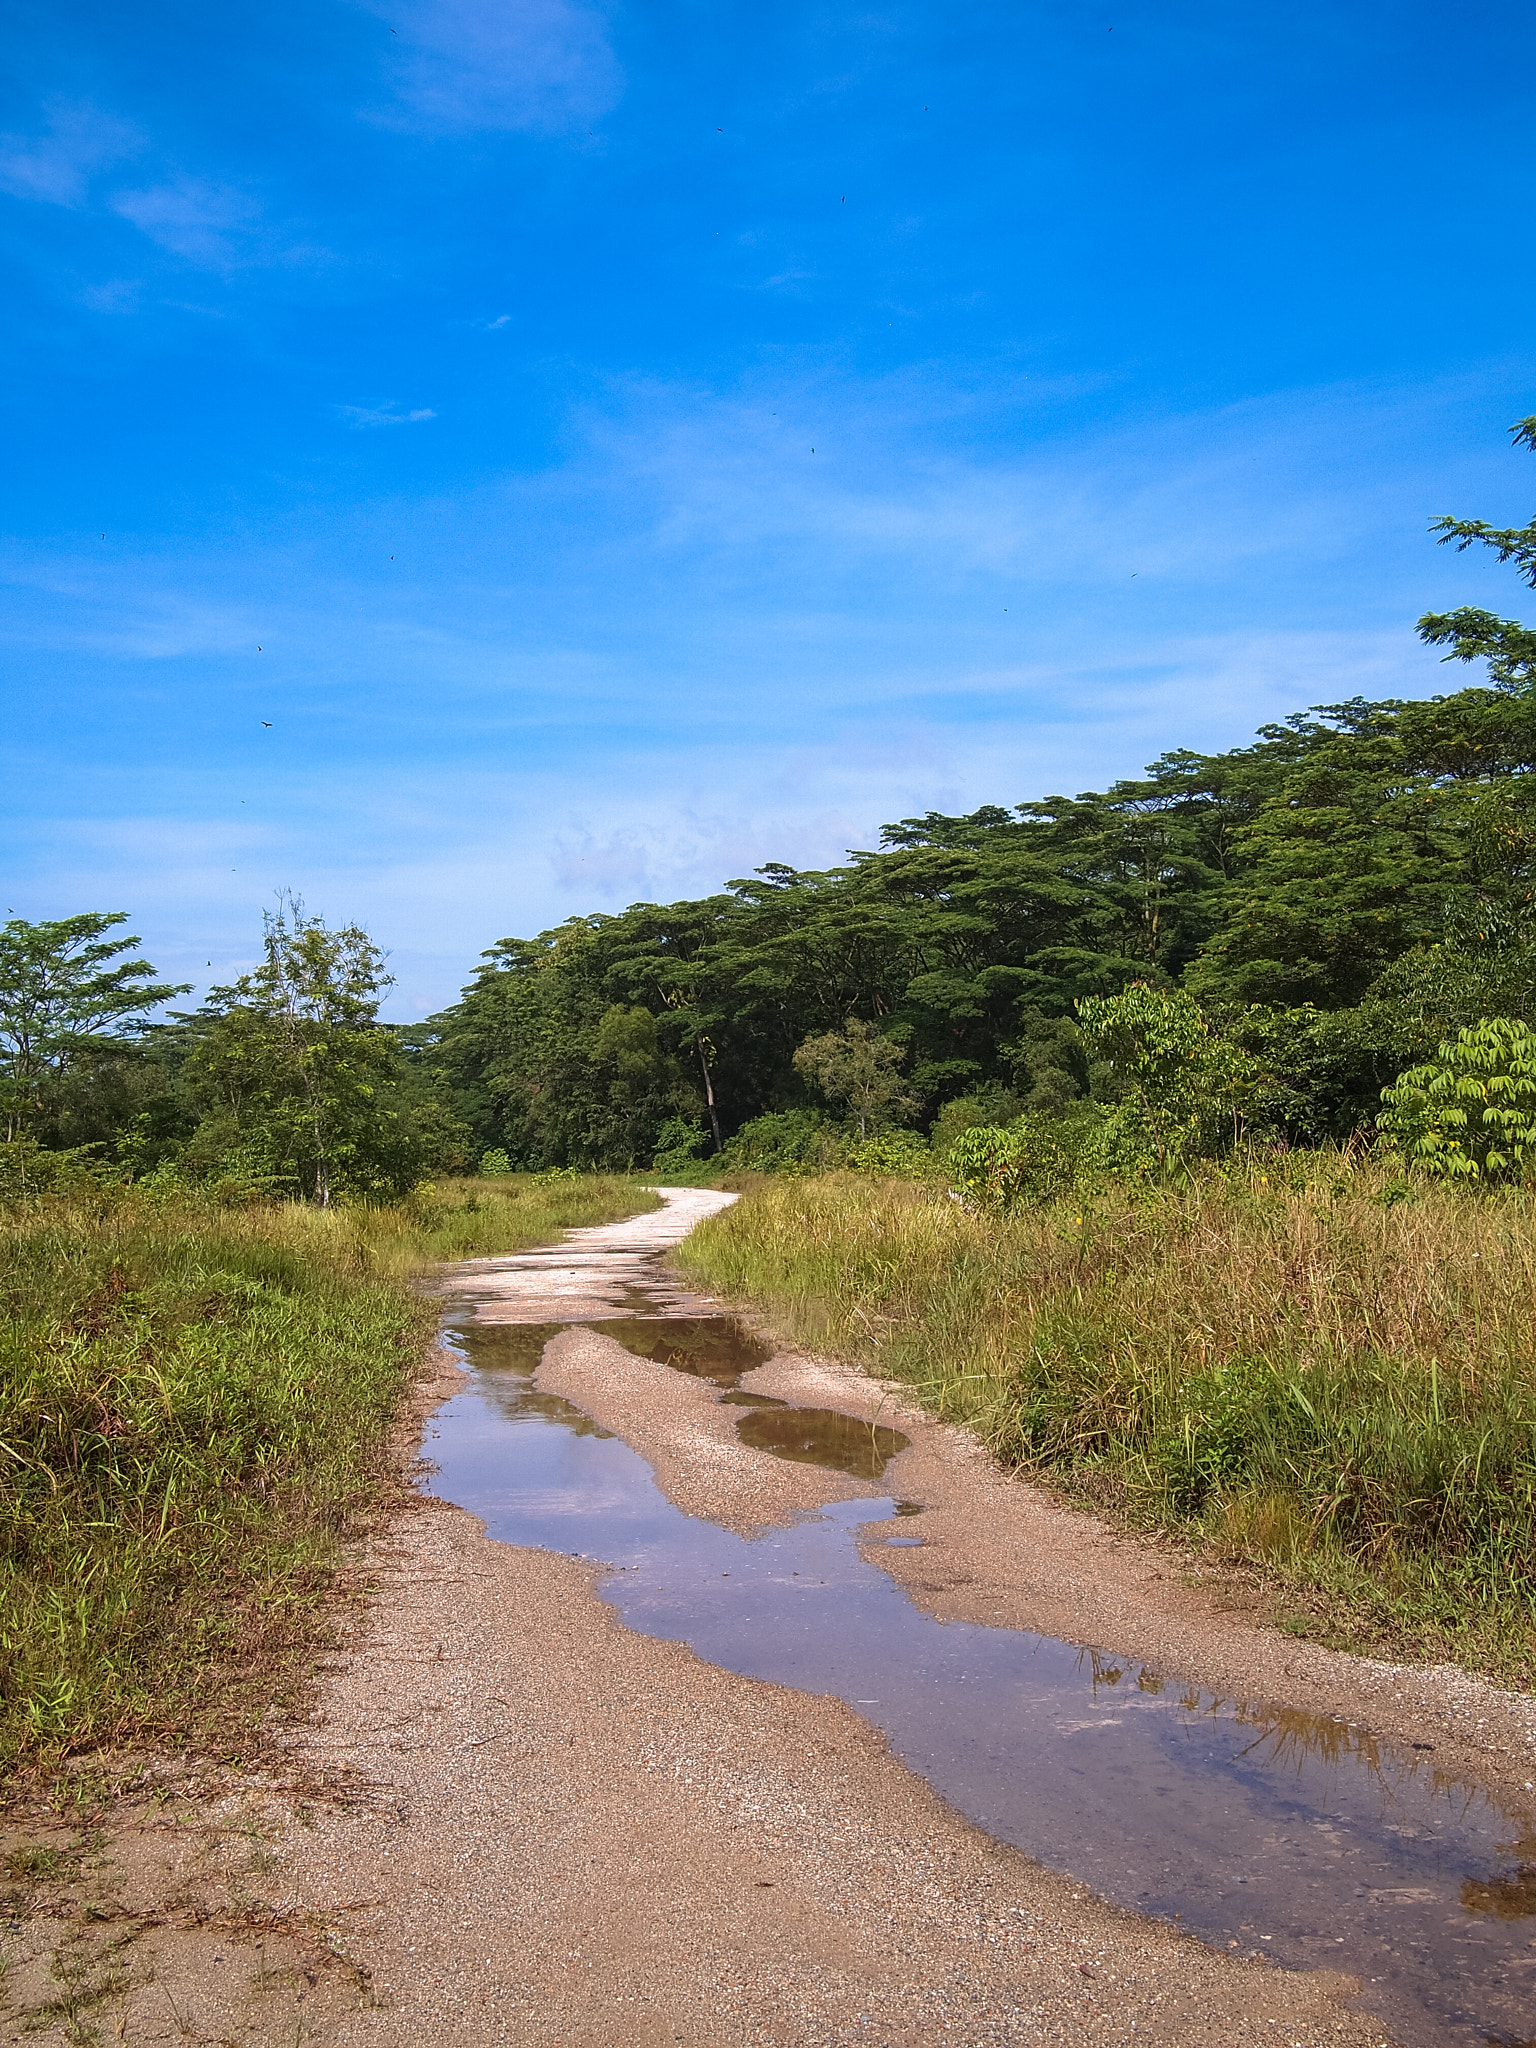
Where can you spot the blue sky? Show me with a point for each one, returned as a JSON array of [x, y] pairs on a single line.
[[617, 446]]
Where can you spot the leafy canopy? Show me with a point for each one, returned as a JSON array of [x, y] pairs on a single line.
[[59, 996], [1471, 634]]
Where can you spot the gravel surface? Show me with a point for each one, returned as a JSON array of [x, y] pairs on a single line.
[[510, 1819], [997, 1550], [573, 1833]]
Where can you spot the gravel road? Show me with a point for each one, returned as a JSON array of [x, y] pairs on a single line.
[[510, 1819]]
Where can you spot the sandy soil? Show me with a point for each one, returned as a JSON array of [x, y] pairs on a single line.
[[509, 1819]]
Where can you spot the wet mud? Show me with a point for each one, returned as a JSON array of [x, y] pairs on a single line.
[[1265, 1830]]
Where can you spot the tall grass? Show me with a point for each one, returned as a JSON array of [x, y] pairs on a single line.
[[194, 1405], [1311, 1367]]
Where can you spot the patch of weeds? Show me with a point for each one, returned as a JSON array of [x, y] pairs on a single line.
[[87, 1975], [34, 1863]]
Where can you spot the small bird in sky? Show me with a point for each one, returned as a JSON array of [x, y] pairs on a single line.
[[266, 722], [258, 650]]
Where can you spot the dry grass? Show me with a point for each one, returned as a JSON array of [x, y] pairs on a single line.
[[1315, 1367]]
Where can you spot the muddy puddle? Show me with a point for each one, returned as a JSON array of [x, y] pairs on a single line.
[[1263, 1830]]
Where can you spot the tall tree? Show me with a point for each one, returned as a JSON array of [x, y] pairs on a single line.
[[64, 992], [1474, 635], [295, 1071]]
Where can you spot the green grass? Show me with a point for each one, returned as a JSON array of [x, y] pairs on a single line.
[[469, 1219], [195, 1405], [1311, 1369]]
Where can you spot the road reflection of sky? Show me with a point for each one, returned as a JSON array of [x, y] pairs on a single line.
[[1265, 1830]]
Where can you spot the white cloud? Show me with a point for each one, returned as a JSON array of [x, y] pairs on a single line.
[[543, 65], [383, 415], [113, 295], [57, 165], [205, 223]]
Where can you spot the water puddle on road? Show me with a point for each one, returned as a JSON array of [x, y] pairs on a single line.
[[1263, 1830], [720, 1349]]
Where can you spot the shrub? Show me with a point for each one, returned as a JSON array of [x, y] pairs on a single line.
[[897, 1154], [1039, 1156], [680, 1146], [1470, 1113], [1192, 1088], [786, 1141], [990, 1104]]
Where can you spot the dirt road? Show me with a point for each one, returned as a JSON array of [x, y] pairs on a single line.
[[512, 1819]]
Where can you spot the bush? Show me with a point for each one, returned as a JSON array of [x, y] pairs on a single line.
[[786, 1141], [1470, 1113], [26, 1170], [494, 1164], [1039, 1157], [897, 1154], [680, 1146], [989, 1105], [1193, 1089]]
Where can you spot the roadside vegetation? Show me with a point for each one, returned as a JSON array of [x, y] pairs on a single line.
[[1313, 1365], [196, 1403]]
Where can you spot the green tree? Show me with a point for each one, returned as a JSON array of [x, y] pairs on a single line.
[[1470, 1112], [857, 1066], [1363, 845], [1473, 635], [296, 1076], [65, 995], [1191, 1086]]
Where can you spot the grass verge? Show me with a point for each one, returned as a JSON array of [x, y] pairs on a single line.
[[195, 1405], [1312, 1370]]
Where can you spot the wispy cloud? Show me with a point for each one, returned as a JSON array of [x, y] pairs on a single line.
[[57, 164], [203, 222], [113, 295], [543, 65], [383, 415], [818, 471]]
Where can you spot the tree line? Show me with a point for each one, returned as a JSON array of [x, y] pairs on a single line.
[[1331, 902]]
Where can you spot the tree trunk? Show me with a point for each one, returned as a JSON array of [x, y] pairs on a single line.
[[709, 1095]]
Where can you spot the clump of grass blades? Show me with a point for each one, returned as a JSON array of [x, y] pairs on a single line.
[[194, 1404], [1299, 1368]]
